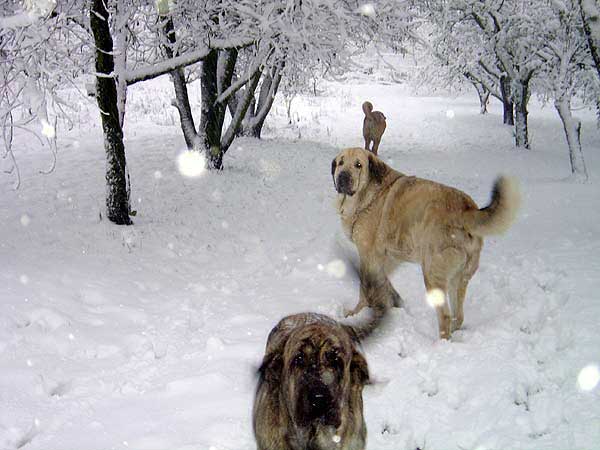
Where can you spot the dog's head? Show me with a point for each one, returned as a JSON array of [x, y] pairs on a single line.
[[353, 169], [317, 369]]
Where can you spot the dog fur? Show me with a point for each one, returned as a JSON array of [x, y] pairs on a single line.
[[393, 218], [373, 127], [309, 394]]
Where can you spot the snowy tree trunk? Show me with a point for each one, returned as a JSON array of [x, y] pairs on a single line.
[[520, 92], [572, 127], [484, 97], [266, 98], [590, 13], [254, 126], [210, 128], [117, 201], [120, 60], [240, 113], [250, 116], [507, 103], [217, 72], [182, 100], [225, 69]]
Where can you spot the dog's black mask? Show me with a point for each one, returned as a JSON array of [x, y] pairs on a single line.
[[316, 404], [344, 183]]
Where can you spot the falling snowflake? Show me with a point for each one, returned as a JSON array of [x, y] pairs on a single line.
[[450, 114], [367, 9], [191, 163], [39, 7], [336, 268], [435, 297], [25, 220], [588, 377], [47, 129]]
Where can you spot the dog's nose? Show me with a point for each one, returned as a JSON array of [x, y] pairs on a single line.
[[344, 182]]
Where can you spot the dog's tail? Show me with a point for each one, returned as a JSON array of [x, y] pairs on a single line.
[[497, 217], [364, 323], [369, 320]]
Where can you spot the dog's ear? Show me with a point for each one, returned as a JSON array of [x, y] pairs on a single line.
[[333, 166], [359, 370], [271, 368], [377, 169]]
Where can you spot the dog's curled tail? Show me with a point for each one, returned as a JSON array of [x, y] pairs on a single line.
[[373, 320], [498, 216]]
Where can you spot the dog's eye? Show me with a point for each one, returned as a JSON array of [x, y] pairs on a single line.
[[333, 357], [358, 165], [298, 360]]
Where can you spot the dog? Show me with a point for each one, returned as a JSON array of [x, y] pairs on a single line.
[[393, 218], [309, 393], [373, 127]]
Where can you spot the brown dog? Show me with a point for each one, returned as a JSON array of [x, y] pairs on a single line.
[[392, 218], [373, 127], [309, 395]]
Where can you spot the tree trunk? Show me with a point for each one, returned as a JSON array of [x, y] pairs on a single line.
[[484, 97], [590, 14], [520, 92], [246, 129], [507, 103], [117, 201], [266, 97], [240, 113], [182, 100], [226, 62], [255, 128], [572, 127], [210, 127]]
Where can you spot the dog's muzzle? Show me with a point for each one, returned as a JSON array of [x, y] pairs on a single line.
[[344, 183], [316, 403]]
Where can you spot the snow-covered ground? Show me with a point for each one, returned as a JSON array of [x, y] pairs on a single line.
[[148, 337]]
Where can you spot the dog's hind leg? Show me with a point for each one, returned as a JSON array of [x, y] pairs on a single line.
[[442, 290], [376, 145], [461, 280], [437, 297]]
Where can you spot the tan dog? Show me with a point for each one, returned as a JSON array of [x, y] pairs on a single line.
[[392, 218], [309, 395], [373, 127]]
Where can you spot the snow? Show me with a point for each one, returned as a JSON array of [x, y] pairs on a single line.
[[148, 337]]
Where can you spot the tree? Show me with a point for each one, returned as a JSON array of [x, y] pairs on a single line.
[[590, 15], [563, 73], [117, 198]]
